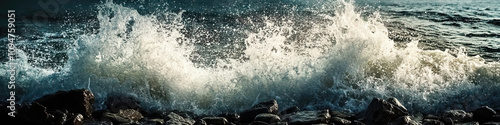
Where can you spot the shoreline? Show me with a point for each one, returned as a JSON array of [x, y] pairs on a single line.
[[75, 107]]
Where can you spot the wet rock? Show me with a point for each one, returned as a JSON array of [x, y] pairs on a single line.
[[492, 123], [381, 111], [115, 118], [339, 121], [215, 121], [468, 123], [58, 117], [484, 114], [153, 122], [432, 117], [248, 116], [258, 123], [175, 119], [76, 119], [432, 122], [231, 117], [123, 116], [356, 122], [74, 101], [403, 120], [98, 123], [343, 115], [307, 117], [290, 110], [36, 113], [267, 118], [456, 116], [200, 122], [279, 123], [115, 104]]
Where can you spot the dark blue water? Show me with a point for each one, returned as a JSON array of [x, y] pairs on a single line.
[[211, 57]]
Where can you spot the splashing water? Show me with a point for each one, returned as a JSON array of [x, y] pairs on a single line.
[[338, 60]]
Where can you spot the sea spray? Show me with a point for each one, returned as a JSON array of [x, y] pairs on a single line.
[[338, 60]]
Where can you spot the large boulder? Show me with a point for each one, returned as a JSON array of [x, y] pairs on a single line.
[[484, 114], [382, 112], [308, 117], [117, 103], [456, 116], [74, 101], [231, 117], [175, 119], [248, 115]]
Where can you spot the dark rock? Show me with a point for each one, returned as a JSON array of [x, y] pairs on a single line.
[[258, 123], [248, 116], [403, 120], [343, 115], [231, 117], [98, 123], [307, 117], [492, 123], [339, 121], [123, 116], [456, 116], [432, 117], [496, 118], [290, 110], [36, 113], [118, 103], [468, 123], [153, 122], [115, 118], [175, 119], [59, 117], [200, 122], [484, 114], [432, 122], [279, 123], [215, 121], [74, 101], [76, 119], [356, 122], [267, 118], [381, 111]]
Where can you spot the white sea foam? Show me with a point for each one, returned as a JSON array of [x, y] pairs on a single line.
[[341, 63]]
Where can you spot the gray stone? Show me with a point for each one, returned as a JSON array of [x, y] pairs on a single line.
[[381, 112], [468, 123], [308, 117], [492, 123], [343, 115], [339, 121], [74, 101], [215, 121], [432, 122], [267, 118], [175, 119], [248, 115], [456, 116], [290, 110]]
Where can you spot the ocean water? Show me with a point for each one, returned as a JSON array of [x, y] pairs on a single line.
[[225, 56]]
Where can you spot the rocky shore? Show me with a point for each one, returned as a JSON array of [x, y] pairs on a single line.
[[75, 107]]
